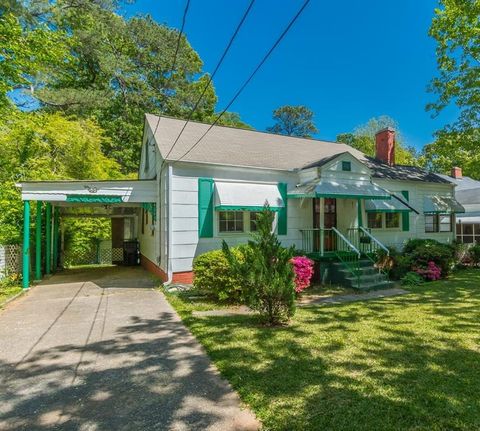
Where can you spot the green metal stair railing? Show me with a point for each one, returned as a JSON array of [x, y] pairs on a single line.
[[348, 254]]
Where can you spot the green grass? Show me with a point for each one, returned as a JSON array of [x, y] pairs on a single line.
[[403, 363], [8, 291]]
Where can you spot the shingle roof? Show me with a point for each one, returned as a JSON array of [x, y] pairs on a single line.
[[240, 147], [464, 183], [230, 146]]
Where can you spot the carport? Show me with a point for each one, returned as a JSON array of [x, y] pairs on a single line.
[[55, 199]]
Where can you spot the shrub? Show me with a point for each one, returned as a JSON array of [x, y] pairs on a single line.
[[423, 251], [303, 268], [432, 272], [474, 254], [267, 272], [412, 279], [401, 266], [215, 278]]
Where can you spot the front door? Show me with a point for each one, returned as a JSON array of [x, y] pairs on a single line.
[[329, 221]]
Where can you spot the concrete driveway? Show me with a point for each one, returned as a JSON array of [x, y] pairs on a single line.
[[101, 350]]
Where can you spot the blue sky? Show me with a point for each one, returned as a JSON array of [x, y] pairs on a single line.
[[347, 60]]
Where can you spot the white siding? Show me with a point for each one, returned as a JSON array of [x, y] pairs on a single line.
[[186, 243]]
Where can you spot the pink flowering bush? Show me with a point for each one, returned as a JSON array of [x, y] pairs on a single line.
[[303, 268], [432, 272]]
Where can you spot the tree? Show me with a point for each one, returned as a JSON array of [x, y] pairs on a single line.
[[293, 121], [43, 146], [266, 271], [455, 27], [121, 70], [363, 139]]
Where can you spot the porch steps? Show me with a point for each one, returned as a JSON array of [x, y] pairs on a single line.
[[369, 278]]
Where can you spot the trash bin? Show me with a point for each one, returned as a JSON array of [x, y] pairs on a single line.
[[131, 253]]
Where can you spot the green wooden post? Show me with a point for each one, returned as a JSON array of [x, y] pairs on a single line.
[[48, 239], [38, 242], [26, 245], [56, 215], [359, 211]]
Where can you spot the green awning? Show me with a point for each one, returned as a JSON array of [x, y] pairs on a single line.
[[342, 190], [393, 205], [89, 199], [441, 205]]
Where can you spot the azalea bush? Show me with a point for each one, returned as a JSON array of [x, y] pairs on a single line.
[[303, 269], [431, 273]]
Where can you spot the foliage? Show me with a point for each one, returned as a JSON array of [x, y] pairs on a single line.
[[344, 367], [266, 272], [303, 268], [422, 251], [432, 272], [402, 264], [214, 277], [455, 28], [25, 53], [9, 287], [412, 278], [122, 69], [363, 139], [293, 121], [474, 253]]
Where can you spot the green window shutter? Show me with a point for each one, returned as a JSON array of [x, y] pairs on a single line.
[[405, 215], [282, 213], [205, 207]]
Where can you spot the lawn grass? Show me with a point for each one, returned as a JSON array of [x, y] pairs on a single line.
[[7, 292], [410, 362]]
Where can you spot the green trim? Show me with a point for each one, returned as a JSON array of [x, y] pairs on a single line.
[[244, 208], [38, 241], [56, 215], [337, 196], [406, 215], [102, 199], [359, 213], [387, 211], [151, 207], [205, 207], [282, 223], [26, 245], [346, 166], [48, 239]]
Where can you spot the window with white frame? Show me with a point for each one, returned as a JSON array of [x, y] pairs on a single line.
[[468, 233], [230, 221], [438, 223], [382, 220]]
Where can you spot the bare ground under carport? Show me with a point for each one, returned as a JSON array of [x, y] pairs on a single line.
[[100, 349]]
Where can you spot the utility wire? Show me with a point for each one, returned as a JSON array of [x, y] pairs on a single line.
[[240, 90], [207, 85], [177, 48]]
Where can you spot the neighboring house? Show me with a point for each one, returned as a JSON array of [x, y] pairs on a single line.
[[331, 201], [467, 193]]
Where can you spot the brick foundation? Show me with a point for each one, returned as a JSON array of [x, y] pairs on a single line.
[[185, 277]]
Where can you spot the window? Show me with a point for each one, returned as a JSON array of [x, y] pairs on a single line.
[[374, 220], [431, 223], [253, 221], [230, 221], [346, 166], [439, 223], [392, 220], [468, 233]]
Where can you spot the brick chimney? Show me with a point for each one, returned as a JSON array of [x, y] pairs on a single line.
[[385, 146], [456, 173]]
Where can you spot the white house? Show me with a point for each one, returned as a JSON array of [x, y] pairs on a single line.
[[199, 185]]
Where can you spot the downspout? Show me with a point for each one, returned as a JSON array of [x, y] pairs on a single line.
[[169, 227]]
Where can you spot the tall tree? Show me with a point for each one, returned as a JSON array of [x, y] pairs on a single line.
[[293, 121], [456, 29], [363, 139]]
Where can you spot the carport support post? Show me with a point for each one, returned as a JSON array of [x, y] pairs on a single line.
[[26, 245], [48, 239], [56, 215], [38, 241]]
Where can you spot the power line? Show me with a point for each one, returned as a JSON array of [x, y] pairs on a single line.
[[224, 54], [177, 48], [237, 94]]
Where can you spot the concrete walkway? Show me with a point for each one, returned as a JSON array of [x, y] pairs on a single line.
[[101, 350]]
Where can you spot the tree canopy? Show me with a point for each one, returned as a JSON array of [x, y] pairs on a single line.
[[363, 139], [293, 121]]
